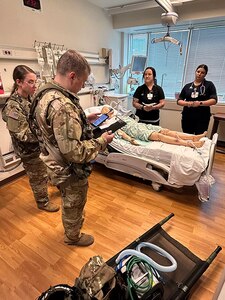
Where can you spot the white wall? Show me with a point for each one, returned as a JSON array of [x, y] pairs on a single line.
[[76, 24]]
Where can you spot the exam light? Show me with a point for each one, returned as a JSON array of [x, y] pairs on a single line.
[[168, 19]]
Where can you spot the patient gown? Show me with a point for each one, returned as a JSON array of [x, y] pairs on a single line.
[[137, 130]]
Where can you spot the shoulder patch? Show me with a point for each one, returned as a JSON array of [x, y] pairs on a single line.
[[56, 104], [13, 115]]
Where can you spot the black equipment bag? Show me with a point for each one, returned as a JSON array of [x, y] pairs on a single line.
[[61, 292]]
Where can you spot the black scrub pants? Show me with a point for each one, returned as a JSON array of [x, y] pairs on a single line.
[[194, 126]]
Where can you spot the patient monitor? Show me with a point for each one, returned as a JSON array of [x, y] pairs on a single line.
[[137, 66]]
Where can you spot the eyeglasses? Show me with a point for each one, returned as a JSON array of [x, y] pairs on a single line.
[[31, 82]]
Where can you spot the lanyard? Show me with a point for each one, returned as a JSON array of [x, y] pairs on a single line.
[[201, 89]]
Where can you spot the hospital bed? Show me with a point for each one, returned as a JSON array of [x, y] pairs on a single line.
[[161, 163]]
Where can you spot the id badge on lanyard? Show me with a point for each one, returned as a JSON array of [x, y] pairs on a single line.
[[149, 96], [194, 94]]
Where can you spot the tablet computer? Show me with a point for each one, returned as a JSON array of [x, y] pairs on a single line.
[[100, 120], [113, 127]]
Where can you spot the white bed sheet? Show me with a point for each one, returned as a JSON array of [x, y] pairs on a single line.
[[186, 164]]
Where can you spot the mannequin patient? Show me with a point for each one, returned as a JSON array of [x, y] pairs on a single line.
[[148, 132]]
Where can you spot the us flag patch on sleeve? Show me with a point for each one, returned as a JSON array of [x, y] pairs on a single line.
[[13, 115]]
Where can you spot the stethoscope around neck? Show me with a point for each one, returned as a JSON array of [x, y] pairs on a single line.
[[201, 88]]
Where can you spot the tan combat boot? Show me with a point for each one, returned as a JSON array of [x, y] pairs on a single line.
[[50, 207], [83, 241]]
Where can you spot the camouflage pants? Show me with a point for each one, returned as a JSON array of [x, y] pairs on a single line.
[[74, 198], [38, 178]]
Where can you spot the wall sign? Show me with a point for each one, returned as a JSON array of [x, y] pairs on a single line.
[[34, 4]]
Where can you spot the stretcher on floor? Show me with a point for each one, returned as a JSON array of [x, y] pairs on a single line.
[[177, 284], [169, 283]]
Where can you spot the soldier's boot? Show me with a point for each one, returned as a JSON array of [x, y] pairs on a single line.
[[50, 207], [84, 240]]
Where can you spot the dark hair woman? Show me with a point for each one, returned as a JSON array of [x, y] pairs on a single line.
[[149, 98], [196, 98], [15, 113]]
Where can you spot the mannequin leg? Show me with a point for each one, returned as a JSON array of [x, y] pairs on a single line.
[[155, 136], [183, 136]]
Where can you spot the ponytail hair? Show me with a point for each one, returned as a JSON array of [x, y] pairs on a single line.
[[20, 73]]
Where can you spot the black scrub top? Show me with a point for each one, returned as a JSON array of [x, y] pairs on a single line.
[[144, 95], [201, 93]]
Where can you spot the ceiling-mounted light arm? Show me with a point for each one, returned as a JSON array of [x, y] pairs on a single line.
[[169, 39], [166, 5], [168, 18]]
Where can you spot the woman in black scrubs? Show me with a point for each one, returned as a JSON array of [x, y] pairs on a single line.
[[196, 98], [149, 98]]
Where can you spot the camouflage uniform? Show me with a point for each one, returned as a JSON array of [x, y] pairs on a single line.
[[15, 114], [67, 148]]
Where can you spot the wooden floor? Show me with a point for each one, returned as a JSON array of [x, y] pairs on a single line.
[[120, 208]]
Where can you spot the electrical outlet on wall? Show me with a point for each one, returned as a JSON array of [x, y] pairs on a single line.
[[7, 52]]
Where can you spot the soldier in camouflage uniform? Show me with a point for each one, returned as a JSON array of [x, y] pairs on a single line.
[[67, 143], [15, 113]]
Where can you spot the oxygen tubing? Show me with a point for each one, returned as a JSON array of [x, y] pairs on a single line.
[[149, 260]]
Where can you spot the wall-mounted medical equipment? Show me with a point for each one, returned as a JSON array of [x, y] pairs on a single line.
[[137, 66], [49, 53]]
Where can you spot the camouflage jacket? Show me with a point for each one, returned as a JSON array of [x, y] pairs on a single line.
[[15, 113], [66, 139]]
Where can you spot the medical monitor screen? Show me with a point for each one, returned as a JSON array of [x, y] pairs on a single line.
[[138, 63]]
